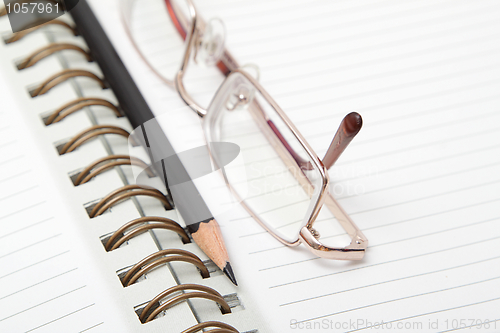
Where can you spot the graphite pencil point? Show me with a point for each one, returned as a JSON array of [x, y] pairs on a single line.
[[228, 270]]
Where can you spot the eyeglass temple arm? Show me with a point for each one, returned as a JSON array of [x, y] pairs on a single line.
[[350, 126], [175, 19]]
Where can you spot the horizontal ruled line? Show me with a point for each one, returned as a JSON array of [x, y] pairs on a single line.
[[424, 179], [45, 302], [394, 136], [91, 327], [403, 150], [385, 262], [396, 204], [398, 186], [437, 232], [434, 214], [379, 172], [389, 281], [67, 315], [400, 42], [383, 60], [425, 145], [27, 227], [380, 226], [22, 209], [270, 210], [400, 299], [428, 197], [386, 74], [430, 313], [31, 245], [388, 243], [34, 264], [393, 88], [15, 176], [432, 160], [11, 159], [18, 192], [6, 144], [38, 283]]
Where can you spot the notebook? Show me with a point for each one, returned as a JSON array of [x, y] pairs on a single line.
[[420, 180], [58, 275]]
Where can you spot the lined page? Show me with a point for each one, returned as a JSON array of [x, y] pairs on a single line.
[[53, 277], [421, 180], [43, 285]]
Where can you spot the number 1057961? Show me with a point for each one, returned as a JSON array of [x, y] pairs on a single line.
[[33, 7]]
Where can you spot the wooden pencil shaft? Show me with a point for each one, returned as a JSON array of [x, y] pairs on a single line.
[[186, 199]]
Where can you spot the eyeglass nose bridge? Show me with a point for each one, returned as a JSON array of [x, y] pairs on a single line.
[[186, 97], [191, 37], [205, 42], [201, 39]]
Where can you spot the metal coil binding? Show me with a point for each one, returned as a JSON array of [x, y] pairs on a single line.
[[93, 132], [222, 327], [159, 222], [19, 35], [63, 76], [160, 258], [49, 50], [126, 192], [176, 294], [78, 104], [154, 307], [106, 163]]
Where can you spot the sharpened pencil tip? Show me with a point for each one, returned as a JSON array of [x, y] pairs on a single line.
[[228, 270]]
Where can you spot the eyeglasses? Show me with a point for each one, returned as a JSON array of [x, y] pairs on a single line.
[[285, 187]]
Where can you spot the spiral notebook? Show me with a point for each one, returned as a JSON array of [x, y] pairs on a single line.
[[68, 266], [421, 180]]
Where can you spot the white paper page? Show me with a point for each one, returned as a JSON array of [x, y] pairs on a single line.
[[421, 179], [56, 275], [46, 286]]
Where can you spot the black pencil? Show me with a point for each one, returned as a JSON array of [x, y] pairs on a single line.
[[199, 220]]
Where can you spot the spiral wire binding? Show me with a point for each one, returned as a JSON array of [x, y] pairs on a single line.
[[126, 192], [139, 226], [160, 258], [221, 327], [106, 163], [173, 295], [153, 308], [63, 76], [49, 50], [19, 35], [77, 105], [92, 132]]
